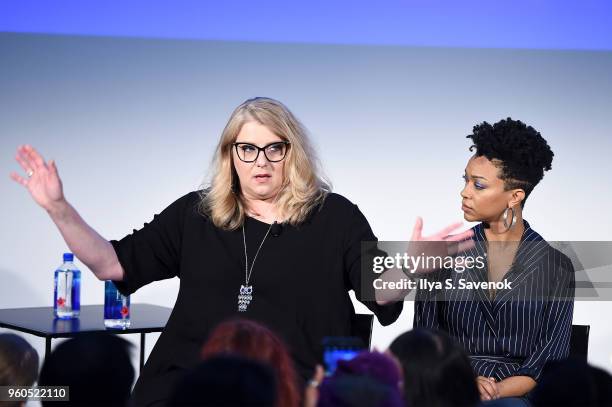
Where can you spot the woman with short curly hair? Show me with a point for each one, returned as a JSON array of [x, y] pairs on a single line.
[[510, 332]]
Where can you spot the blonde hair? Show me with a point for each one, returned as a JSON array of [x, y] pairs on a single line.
[[303, 187]]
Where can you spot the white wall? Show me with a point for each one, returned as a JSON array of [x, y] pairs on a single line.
[[133, 123]]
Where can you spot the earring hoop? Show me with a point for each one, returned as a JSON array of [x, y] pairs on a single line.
[[512, 222]]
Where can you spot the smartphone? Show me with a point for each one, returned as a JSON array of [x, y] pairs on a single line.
[[340, 348]]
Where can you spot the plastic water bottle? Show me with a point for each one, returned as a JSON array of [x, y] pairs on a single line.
[[116, 307], [67, 291]]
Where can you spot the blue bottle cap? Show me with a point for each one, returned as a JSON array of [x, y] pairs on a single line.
[[68, 257]]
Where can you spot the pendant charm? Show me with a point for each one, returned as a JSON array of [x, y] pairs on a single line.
[[245, 297]]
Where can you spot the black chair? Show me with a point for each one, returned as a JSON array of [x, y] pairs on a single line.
[[362, 328], [579, 342]]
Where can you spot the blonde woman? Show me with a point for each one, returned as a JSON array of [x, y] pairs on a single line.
[[266, 240]]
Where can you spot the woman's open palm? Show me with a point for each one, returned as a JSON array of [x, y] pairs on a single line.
[[42, 179]]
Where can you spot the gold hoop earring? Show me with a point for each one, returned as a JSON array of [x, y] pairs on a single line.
[[512, 222]]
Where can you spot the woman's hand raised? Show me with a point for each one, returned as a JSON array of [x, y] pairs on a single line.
[[45, 186], [42, 179]]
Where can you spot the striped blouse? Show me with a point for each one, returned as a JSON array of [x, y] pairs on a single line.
[[522, 327]]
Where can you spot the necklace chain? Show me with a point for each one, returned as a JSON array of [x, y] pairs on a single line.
[[245, 295], [247, 272]]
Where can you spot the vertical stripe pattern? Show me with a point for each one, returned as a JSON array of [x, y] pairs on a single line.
[[520, 329]]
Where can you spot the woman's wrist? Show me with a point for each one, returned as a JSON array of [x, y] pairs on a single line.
[[58, 210], [515, 386]]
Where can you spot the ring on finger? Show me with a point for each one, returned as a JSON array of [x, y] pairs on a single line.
[[29, 173], [313, 383]]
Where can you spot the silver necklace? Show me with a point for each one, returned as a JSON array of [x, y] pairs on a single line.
[[245, 295]]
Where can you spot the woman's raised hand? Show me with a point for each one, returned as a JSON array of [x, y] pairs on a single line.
[[44, 184], [444, 235], [41, 179], [441, 244]]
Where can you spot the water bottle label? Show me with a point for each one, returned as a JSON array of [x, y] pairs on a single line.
[[61, 291], [67, 292], [116, 305]]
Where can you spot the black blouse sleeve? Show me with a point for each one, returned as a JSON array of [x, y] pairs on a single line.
[[153, 252], [360, 231]]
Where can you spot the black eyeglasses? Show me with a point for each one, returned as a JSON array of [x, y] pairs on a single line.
[[274, 152]]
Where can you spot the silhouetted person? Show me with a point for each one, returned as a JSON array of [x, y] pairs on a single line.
[[436, 370], [18, 364], [96, 368], [226, 381], [254, 341], [370, 379], [573, 383]]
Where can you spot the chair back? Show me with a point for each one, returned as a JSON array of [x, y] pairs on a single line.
[[579, 342], [362, 328]]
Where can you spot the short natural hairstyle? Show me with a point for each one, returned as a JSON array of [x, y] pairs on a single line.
[[303, 188], [519, 151]]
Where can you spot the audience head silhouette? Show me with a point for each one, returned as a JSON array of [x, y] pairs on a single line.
[[18, 363], [252, 340], [370, 379], [436, 370], [226, 381], [96, 368]]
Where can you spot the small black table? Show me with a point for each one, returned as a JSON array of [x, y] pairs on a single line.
[[40, 321]]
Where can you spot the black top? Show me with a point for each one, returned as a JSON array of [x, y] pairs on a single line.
[[300, 282], [521, 328]]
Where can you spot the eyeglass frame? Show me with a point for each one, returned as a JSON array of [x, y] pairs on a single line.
[[260, 149]]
